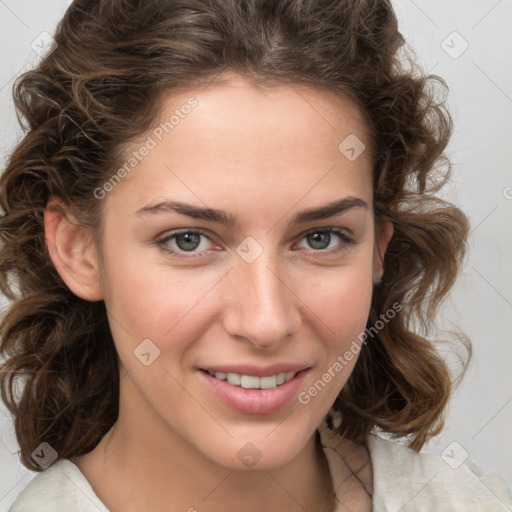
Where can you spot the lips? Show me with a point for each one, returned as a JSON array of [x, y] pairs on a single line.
[[254, 390]]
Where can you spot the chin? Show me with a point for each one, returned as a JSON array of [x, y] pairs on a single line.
[[256, 449]]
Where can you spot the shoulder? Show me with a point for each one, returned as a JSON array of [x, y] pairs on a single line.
[[59, 488], [409, 481], [405, 480]]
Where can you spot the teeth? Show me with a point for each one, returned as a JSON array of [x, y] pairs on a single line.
[[268, 382], [252, 382], [234, 378], [288, 376], [248, 382]]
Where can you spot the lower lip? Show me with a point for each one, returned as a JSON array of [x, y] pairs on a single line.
[[254, 401]]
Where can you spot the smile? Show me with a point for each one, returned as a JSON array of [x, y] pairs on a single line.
[[254, 382], [254, 394]]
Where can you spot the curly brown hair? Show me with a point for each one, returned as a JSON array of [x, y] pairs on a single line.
[[101, 87]]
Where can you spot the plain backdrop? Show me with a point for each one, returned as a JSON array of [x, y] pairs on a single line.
[[469, 44]]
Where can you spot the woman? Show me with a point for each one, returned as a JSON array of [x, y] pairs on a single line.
[[222, 240]]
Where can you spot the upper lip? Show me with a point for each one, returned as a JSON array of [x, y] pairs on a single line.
[[256, 371]]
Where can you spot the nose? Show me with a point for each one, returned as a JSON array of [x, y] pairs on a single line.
[[262, 306]]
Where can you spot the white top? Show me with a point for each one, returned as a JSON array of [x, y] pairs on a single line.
[[403, 480]]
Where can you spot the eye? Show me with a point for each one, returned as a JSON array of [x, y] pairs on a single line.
[[328, 240], [185, 241], [188, 243]]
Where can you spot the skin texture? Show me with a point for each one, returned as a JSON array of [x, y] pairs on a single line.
[[263, 156]]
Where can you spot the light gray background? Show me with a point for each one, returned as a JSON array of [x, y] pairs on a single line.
[[480, 81]]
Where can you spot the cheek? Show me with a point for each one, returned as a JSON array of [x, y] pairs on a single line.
[[341, 299], [342, 303], [154, 301]]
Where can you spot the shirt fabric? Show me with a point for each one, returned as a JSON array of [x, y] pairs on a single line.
[[403, 481]]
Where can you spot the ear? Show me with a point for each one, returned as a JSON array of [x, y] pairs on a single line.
[[73, 251], [383, 234]]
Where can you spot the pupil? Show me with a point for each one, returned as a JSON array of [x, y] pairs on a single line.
[[319, 240], [188, 241]]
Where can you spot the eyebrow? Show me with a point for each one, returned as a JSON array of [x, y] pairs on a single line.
[[214, 215]]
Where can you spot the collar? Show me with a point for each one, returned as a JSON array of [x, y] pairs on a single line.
[[337, 453]]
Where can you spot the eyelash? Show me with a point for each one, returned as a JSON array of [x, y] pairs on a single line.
[[346, 240]]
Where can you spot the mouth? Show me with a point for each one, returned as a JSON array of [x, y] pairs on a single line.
[[252, 390], [253, 381]]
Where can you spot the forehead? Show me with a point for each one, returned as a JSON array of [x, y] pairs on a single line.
[[233, 137], [283, 113]]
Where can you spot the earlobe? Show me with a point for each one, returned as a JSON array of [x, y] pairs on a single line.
[[73, 252], [383, 235]]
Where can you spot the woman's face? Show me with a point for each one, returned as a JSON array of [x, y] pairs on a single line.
[[241, 242]]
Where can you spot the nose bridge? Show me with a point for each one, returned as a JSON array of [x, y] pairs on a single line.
[[262, 307]]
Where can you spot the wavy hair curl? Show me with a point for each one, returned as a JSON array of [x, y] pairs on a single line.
[[101, 87]]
